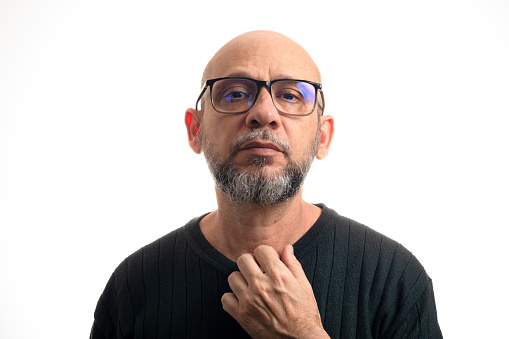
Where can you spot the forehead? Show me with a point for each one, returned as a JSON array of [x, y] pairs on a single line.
[[263, 57]]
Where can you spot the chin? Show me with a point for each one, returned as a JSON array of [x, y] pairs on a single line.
[[260, 162]]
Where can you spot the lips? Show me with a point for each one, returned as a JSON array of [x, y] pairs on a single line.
[[258, 144]]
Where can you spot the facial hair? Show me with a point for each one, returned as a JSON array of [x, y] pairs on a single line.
[[257, 184]]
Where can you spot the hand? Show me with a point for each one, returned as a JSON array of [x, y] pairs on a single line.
[[272, 297]]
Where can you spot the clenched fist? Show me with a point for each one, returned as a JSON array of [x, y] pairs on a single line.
[[272, 298]]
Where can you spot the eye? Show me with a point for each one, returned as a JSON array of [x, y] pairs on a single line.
[[288, 96], [234, 95], [293, 96]]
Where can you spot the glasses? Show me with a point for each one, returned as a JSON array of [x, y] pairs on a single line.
[[238, 95]]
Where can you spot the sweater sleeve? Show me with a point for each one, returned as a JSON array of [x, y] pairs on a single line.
[[105, 314], [107, 322], [408, 306], [421, 319]]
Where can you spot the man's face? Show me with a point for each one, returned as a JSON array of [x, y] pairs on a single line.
[[257, 184], [260, 156]]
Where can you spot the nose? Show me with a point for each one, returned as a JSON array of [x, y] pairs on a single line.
[[263, 113]]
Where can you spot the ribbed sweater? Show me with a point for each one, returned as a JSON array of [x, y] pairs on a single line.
[[366, 286]]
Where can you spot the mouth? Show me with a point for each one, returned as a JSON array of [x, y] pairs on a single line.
[[261, 145], [261, 148]]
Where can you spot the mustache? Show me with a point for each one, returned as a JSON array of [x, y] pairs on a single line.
[[258, 134]]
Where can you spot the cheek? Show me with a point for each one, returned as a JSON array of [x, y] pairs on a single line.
[[304, 137], [217, 137], [223, 129]]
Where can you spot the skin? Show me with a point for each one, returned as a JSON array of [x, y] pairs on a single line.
[[271, 294]]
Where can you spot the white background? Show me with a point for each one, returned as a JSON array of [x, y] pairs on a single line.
[[94, 161]]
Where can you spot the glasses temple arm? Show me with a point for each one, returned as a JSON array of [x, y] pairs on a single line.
[[201, 94]]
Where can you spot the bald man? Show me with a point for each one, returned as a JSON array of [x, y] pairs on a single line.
[[266, 264]]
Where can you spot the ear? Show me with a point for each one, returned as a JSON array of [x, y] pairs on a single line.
[[326, 136], [193, 121]]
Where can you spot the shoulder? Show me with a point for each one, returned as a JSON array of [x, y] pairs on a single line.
[[135, 283], [371, 245], [150, 256], [398, 286], [384, 265]]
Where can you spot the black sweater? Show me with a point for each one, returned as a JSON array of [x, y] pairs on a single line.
[[366, 286]]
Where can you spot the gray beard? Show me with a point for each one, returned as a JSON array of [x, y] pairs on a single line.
[[257, 185]]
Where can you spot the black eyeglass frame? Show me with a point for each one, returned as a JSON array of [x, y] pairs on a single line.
[[259, 83]]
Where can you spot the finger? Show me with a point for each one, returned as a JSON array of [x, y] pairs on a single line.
[[230, 304], [237, 283], [268, 259], [249, 267], [293, 264]]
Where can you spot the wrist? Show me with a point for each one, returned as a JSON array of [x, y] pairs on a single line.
[[318, 333]]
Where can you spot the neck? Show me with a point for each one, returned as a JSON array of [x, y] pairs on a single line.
[[238, 228]]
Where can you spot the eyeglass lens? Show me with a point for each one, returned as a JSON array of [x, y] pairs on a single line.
[[238, 95]]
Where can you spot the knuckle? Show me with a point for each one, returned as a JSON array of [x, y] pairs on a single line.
[[257, 286], [248, 299], [281, 279], [261, 291]]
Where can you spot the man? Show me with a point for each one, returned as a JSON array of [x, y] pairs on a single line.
[[266, 264]]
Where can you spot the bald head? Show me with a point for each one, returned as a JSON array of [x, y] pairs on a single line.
[[262, 55]]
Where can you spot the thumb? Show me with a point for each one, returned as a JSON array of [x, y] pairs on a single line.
[[288, 258]]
